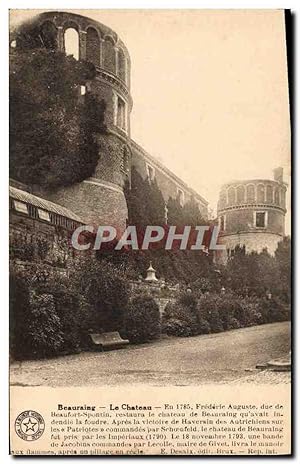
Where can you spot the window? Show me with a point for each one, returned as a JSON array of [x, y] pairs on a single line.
[[260, 219], [44, 215], [222, 223], [72, 42], [82, 90], [150, 172], [21, 207], [121, 113]]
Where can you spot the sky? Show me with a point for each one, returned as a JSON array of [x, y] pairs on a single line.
[[209, 89]]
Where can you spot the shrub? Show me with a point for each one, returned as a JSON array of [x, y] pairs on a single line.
[[274, 310], [44, 330], [142, 320], [203, 327], [105, 288], [35, 327], [208, 310], [179, 317], [177, 327], [19, 303], [250, 313], [71, 309]]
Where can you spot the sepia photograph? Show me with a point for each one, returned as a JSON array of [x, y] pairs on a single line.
[[149, 216]]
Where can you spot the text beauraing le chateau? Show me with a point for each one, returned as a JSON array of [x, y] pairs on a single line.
[[251, 213]]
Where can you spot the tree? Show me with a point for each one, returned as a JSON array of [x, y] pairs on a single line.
[[52, 129], [283, 258], [145, 202]]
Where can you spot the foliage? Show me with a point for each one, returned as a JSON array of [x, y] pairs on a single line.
[[145, 202], [105, 288], [179, 317], [215, 312], [35, 327], [251, 274], [188, 214], [44, 330], [142, 320], [72, 310], [50, 125], [283, 258]]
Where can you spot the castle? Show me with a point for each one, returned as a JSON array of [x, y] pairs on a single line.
[[100, 199], [251, 214]]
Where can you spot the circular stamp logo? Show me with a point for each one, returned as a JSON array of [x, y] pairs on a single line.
[[29, 425]]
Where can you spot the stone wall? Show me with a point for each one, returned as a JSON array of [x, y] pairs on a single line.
[[33, 242], [97, 202]]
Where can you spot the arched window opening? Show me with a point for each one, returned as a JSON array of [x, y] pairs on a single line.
[[49, 35], [122, 65], [241, 194], [93, 46], [269, 194], [250, 193], [260, 193], [277, 196], [231, 195], [72, 42], [109, 55]]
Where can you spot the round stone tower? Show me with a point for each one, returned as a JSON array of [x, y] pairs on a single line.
[[99, 199], [251, 214]]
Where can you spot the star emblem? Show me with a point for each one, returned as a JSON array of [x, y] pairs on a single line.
[[29, 425]]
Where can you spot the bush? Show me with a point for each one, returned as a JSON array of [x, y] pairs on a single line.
[[203, 327], [105, 289], [48, 316], [44, 330], [142, 320], [250, 314], [72, 310], [208, 310], [274, 310], [19, 303], [177, 327], [35, 327], [179, 317]]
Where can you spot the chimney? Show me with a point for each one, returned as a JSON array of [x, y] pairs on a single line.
[[278, 174]]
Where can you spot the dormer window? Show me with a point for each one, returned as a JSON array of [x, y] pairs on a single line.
[[20, 207], [44, 215]]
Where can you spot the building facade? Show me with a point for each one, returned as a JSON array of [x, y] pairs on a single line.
[[100, 199], [251, 214]]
